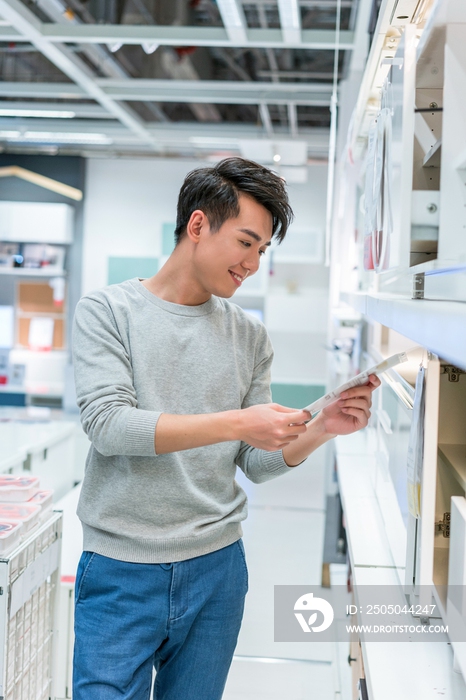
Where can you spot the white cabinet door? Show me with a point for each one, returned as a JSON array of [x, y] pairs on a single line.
[[422, 532]]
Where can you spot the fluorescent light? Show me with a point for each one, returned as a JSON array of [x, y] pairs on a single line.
[[290, 21], [150, 46], [277, 158], [212, 141], [56, 137], [46, 113], [290, 17], [232, 13], [64, 137]]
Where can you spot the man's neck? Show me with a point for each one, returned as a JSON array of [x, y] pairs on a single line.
[[175, 283]]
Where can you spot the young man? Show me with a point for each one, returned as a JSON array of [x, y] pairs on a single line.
[[173, 383]]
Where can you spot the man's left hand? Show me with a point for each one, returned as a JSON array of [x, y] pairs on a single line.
[[351, 411]]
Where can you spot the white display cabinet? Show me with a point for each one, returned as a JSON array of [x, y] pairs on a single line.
[[41, 222], [452, 243], [44, 449], [72, 549], [428, 238], [50, 448], [28, 608]]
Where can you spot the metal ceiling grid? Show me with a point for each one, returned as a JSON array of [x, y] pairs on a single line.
[[243, 64]]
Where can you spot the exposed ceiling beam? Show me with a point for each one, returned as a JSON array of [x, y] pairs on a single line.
[[265, 118], [183, 91], [234, 21], [293, 119], [28, 25], [46, 91], [290, 20], [316, 39], [215, 92], [308, 3]]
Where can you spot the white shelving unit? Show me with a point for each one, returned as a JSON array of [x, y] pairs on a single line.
[[28, 613], [423, 55]]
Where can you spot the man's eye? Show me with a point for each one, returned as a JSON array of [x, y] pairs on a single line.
[[262, 252], [246, 243]]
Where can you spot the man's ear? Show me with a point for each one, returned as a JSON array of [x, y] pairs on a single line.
[[197, 223]]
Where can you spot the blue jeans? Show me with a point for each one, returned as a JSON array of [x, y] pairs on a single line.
[[181, 618]]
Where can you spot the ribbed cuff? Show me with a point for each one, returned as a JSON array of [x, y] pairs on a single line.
[[274, 464], [140, 433]]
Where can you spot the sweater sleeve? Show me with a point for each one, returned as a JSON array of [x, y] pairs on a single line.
[[104, 385], [260, 465]]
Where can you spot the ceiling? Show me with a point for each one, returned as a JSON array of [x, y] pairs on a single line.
[[172, 78]]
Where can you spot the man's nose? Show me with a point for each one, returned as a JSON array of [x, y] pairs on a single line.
[[251, 263]]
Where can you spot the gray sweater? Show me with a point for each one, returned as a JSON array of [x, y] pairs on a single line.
[[137, 356]]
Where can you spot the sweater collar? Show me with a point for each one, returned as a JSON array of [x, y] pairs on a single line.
[[200, 310]]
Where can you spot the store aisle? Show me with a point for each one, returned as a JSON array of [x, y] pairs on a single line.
[[283, 537]]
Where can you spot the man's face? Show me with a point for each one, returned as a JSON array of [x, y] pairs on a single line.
[[225, 258]]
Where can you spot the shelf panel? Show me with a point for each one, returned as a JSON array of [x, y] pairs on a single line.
[[455, 457], [438, 326]]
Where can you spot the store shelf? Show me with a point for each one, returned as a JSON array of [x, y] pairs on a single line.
[[455, 456], [372, 565], [421, 671], [436, 325]]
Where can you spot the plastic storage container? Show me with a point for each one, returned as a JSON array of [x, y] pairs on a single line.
[[10, 535], [44, 499], [17, 488], [26, 513]]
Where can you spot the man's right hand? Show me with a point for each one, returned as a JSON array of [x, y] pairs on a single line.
[[271, 426], [266, 426]]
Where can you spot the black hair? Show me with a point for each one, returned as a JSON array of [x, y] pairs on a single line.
[[215, 191]]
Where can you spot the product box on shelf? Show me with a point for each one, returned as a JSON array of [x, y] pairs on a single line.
[[17, 488], [26, 513], [10, 535], [44, 499]]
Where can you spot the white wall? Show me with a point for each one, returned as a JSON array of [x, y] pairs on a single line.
[[127, 201]]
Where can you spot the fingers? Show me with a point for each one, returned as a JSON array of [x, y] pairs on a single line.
[[358, 403], [362, 391], [361, 416], [295, 415]]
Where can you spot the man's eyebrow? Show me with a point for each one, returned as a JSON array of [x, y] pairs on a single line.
[[254, 235]]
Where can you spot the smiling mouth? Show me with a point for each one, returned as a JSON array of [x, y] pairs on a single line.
[[237, 278]]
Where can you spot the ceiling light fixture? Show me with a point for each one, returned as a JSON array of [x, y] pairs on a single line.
[[290, 20], [9, 134], [56, 137], [277, 158], [44, 113], [231, 12], [213, 141]]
